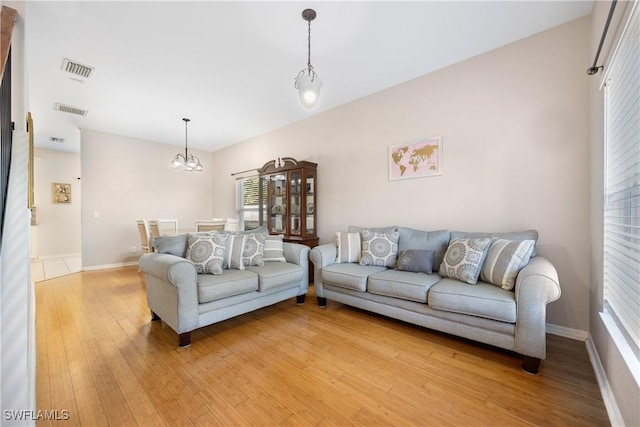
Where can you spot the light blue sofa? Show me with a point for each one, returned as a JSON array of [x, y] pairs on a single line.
[[513, 320], [186, 300]]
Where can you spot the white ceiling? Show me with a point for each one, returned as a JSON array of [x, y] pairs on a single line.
[[230, 66]]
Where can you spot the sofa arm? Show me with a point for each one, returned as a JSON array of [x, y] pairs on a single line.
[[536, 285], [172, 291], [322, 256]]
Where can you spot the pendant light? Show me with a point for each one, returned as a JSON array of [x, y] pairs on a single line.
[[189, 161], [308, 83]]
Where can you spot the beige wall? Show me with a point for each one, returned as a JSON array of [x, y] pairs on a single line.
[[58, 224], [621, 383], [126, 178], [514, 123]]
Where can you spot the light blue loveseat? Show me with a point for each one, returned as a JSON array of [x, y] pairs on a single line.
[[186, 300], [510, 319]]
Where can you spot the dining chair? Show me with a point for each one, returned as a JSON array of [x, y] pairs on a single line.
[[145, 236], [232, 224], [210, 225]]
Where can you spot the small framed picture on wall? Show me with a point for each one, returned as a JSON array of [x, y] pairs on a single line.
[[61, 193]]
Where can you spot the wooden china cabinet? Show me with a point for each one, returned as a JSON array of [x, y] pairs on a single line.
[[287, 200]]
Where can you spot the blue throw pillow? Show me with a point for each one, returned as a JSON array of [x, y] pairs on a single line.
[[416, 261]]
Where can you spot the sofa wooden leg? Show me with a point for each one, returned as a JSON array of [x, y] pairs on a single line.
[[184, 339], [530, 365], [322, 302], [154, 317], [300, 299]]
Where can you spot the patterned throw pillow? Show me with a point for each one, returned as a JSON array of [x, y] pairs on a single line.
[[464, 258], [274, 248], [416, 261], [233, 254], [206, 252], [504, 260], [348, 245], [379, 248], [253, 251]]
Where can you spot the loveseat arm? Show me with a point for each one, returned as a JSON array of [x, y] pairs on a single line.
[[321, 257], [172, 291], [298, 254], [536, 285]]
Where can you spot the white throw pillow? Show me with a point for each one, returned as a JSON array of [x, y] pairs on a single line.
[[274, 249], [504, 261], [348, 247]]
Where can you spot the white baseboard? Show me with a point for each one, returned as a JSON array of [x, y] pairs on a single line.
[[575, 334], [73, 255], [105, 266], [615, 417]]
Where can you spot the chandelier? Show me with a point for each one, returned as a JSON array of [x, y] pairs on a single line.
[[189, 161], [308, 83]]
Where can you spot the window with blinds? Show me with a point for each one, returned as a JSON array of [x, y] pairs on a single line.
[[247, 190], [622, 185]]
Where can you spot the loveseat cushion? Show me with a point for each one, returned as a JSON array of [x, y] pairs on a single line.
[[231, 282], [402, 284], [436, 241], [349, 276], [482, 299], [276, 274]]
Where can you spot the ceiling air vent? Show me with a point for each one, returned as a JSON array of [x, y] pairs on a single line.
[[56, 139], [69, 109], [76, 68]]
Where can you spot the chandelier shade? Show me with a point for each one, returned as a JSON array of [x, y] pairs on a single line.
[[187, 161], [307, 82]]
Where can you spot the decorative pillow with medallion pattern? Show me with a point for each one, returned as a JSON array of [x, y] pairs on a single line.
[[379, 248], [206, 252], [463, 259]]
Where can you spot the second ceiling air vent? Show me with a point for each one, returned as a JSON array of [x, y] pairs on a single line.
[[69, 109], [76, 68]]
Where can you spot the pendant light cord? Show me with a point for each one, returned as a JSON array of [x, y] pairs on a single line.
[[309, 49]]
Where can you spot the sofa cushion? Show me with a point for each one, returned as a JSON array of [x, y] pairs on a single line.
[[277, 274], [504, 260], [348, 246], [379, 248], [416, 261], [174, 245], [402, 284], [274, 248], [425, 240], [514, 235], [253, 250], [230, 283], [464, 258], [484, 300], [349, 275], [207, 252]]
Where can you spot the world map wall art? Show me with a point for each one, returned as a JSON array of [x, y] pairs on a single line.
[[416, 159]]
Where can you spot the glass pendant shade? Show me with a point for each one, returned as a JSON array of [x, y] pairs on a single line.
[[176, 163], [308, 89]]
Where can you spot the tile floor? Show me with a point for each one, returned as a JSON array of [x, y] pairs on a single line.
[[48, 268]]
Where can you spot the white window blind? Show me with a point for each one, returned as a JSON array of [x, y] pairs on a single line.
[[622, 184], [247, 196]]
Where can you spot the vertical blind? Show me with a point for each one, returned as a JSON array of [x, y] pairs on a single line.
[[622, 183]]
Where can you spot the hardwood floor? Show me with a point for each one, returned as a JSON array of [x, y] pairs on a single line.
[[100, 358]]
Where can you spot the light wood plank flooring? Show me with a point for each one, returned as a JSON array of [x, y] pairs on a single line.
[[101, 358]]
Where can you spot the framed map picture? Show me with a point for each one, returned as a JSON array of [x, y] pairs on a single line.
[[416, 159]]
